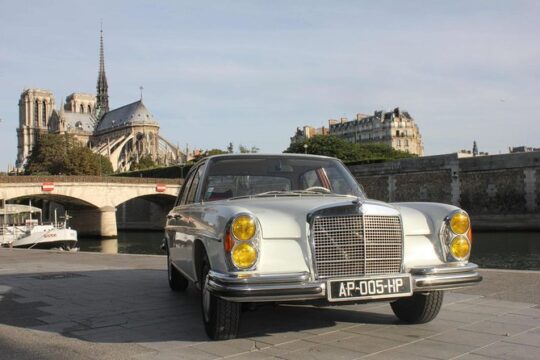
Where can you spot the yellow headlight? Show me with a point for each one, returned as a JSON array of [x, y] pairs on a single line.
[[244, 256], [459, 223], [460, 247], [243, 227]]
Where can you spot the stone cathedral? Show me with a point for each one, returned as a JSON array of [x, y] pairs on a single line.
[[123, 135]]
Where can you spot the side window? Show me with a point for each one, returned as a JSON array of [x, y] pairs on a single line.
[[183, 192], [194, 185]]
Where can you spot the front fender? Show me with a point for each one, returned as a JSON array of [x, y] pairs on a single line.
[[421, 227]]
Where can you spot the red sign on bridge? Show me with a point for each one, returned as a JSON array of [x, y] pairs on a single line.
[[161, 187], [47, 186]]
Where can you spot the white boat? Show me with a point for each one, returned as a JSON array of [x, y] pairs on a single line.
[[22, 227]]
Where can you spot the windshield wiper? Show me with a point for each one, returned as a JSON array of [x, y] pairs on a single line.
[[276, 193], [272, 193], [314, 191], [263, 194]]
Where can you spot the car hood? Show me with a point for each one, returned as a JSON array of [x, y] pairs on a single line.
[[286, 217]]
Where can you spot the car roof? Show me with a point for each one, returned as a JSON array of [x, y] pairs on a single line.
[[288, 155]]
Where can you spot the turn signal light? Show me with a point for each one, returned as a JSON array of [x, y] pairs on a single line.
[[244, 256], [228, 242], [243, 227], [460, 247], [459, 223]]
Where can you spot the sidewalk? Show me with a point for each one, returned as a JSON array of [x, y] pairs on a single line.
[[57, 305]]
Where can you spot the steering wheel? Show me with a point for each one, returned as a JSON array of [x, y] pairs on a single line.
[[318, 189]]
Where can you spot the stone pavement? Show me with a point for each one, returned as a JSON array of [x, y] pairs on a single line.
[[56, 305]]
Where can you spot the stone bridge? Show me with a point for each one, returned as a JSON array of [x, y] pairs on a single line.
[[90, 200]]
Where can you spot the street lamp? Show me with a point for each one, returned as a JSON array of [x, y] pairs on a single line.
[[305, 148]]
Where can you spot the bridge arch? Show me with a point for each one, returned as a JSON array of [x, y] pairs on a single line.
[[91, 201], [68, 202], [146, 212]]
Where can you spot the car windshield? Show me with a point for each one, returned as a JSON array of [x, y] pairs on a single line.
[[229, 177]]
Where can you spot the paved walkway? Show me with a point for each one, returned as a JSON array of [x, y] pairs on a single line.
[[94, 306]]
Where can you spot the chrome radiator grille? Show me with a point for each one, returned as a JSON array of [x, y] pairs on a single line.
[[357, 245]]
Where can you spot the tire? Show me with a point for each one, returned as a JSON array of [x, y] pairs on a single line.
[[221, 318], [419, 308], [177, 282]]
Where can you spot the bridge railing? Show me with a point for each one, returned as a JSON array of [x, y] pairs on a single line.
[[88, 179]]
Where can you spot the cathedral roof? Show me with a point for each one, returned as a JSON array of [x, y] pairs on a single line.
[[79, 121], [131, 114]]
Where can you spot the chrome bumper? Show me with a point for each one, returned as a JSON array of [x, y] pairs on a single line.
[[445, 277], [298, 286]]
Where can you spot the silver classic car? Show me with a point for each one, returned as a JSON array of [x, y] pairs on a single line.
[[271, 228]]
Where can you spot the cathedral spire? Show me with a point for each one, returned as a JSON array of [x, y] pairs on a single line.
[[102, 105]]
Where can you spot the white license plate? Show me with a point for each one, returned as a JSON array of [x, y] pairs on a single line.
[[373, 287]]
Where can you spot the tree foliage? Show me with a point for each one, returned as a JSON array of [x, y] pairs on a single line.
[[230, 150], [206, 153], [56, 154], [334, 146], [145, 162], [215, 152], [105, 165], [245, 150]]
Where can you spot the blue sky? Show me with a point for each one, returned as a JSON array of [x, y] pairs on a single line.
[[250, 72]]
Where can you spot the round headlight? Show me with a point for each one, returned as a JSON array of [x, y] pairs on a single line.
[[243, 227], [459, 223], [244, 256], [460, 247]]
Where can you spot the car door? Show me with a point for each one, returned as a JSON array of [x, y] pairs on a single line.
[[181, 228]]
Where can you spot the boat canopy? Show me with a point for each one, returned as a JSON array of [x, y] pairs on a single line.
[[18, 214], [11, 209]]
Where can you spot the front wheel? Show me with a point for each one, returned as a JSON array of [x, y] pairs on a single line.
[[419, 308], [221, 317]]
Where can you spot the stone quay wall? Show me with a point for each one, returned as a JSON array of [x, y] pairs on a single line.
[[500, 192]]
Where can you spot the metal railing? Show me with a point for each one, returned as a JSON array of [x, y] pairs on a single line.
[[87, 179]]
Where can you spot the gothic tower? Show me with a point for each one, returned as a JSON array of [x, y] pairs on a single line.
[[102, 105], [35, 109]]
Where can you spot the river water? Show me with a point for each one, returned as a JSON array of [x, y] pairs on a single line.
[[503, 250]]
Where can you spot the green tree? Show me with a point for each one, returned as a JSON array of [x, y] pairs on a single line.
[[334, 146], [105, 165], [324, 145], [245, 150], [145, 162], [56, 154], [206, 153], [215, 152]]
